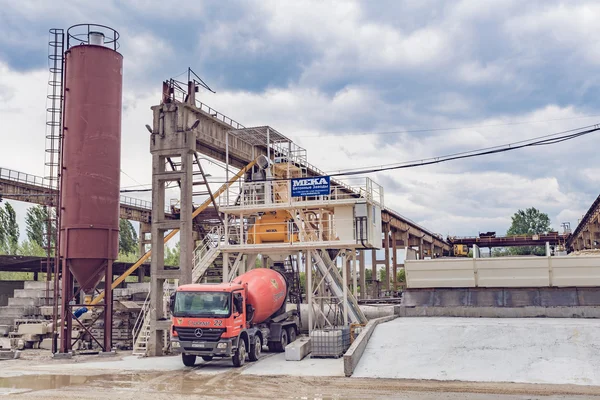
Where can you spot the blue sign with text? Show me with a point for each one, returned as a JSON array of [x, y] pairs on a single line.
[[318, 186]]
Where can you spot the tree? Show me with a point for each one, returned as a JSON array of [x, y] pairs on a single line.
[[9, 230], [528, 222], [128, 239], [29, 248], [172, 255], [37, 226]]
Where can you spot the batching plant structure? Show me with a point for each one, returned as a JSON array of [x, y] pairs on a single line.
[[90, 173]]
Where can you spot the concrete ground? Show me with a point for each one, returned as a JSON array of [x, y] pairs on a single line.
[[425, 348], [164, 378], [277, 365], [547, 351]]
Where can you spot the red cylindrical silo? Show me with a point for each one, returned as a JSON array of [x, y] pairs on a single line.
[[91, 161]]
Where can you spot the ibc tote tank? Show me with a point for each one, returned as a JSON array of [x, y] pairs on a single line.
[[267, 291], [91, 155]]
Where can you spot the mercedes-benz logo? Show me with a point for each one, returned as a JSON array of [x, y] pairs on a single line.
[[198, 333]]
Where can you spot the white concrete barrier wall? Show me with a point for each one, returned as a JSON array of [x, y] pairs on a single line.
[[503, 272], [575, 271], [513, 272], [439, 273]]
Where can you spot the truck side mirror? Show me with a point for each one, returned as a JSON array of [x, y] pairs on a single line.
[[172, 303]]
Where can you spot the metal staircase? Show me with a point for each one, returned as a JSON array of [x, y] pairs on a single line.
[[141, 330], [206, 253], [209, 251], [141, 327]]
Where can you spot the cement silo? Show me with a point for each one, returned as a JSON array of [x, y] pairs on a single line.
[[91, 158]]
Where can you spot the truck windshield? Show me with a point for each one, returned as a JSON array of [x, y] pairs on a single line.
[[202, 304]]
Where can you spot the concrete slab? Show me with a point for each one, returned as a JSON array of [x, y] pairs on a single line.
[[277, 365], [552, 351]]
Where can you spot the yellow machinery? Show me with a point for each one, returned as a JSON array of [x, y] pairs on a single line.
[[461, 250], [272, 227]]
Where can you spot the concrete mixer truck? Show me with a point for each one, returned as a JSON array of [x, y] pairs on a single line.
[[233, 319]]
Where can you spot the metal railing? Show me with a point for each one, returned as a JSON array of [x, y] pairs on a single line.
[[206, 252], [130, 201], [141, 324], [221, 117], [23, 177], [256, 194]]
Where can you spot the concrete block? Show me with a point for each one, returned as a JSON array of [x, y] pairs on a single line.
[[453, 298], [298, 349], [38, 285], [36, 293], [47, 311], [29, 337], [35, 329], [62, 356], [418, 298], [486, 298], [588, 296], [9, 354], [46, 344], [25, 301], [18, 311], [4, 329], [554, 297], [500, 312], [522, 298]]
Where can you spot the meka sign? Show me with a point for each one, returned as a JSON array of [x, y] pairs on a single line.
[[317, 186]]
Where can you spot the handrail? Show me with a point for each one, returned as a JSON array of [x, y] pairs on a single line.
[[139, 322], [22, 177], [171, 234], [221, 117]]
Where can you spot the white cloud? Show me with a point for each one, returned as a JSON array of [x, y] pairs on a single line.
[[457, 65]]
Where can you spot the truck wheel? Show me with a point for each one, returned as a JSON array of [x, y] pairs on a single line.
[[280, 347], [207, 358], [239, 358], [291, 331], [255, 349], [189, 360]]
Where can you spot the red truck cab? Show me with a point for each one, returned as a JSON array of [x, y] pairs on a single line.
[[208, 320]]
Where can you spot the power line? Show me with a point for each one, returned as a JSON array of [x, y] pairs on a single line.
[[513, 144], [424, 130], [502, 149], [544, 140]]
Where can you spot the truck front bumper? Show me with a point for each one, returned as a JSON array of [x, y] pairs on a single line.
[[222, 348]]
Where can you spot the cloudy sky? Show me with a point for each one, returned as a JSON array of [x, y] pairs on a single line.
[[356, 84]]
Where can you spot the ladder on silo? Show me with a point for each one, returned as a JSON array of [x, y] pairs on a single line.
[[54, 134]]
